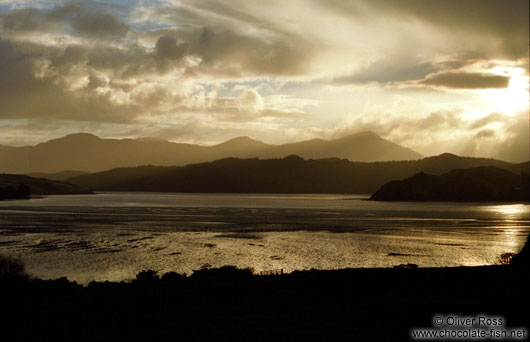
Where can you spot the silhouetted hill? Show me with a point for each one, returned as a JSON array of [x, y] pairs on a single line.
[[87, 152], [38, 186], [240, 146], [485, 183], [369, 147], [59, 176], [288, 175]]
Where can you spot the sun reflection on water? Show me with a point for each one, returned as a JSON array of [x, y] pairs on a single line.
[[516, 220], [511, 238], [511, 211]]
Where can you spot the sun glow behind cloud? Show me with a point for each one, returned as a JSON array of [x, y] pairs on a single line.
[[512, 99]]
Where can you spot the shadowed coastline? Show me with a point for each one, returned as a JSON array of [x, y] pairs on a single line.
[[478, 184], [291, 174], [229, 304], [23, 187]]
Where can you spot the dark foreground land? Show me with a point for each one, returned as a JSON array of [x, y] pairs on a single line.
[[22, 187], [230, 305]]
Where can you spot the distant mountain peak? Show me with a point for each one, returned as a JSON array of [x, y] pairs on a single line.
[[80, 135], [150, 139], [74, 138], [87, 152], [241, 140], [316, 140], [293, 157], [448, 155], [363, 134]]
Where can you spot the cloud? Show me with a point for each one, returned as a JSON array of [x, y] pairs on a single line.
[[50, 83], [92, 21], [389, 69], [168, 47], [249, 105], [84, 84], [485, 133], [502, 136], [488, 119], [89, 21], [258, 68], [489, 27], [466, 80], [226, 53], [27, 19], [508, 141], [515, 148], [460, 71]]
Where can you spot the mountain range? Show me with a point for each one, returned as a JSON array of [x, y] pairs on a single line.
[[89, 153], [291, 174]]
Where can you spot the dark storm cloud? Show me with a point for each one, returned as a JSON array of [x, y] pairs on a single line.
[[85, 19], [465, 80], [90, 22], [27, 19], [225, 48], [217, 15], [395, 69], [168, 47], [33, 86], [499, 28], [80, 83], [227, 52], [232, 42]]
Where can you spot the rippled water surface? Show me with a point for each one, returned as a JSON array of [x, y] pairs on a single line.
[[112, 236]]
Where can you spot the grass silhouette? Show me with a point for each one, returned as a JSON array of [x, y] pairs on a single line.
[[11, 267]]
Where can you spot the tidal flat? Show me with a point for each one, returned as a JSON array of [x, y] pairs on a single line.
[[113, 236]]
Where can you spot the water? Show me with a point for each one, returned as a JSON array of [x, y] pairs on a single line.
[[113, 236]]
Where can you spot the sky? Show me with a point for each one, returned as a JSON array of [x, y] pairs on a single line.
[[432, 75]]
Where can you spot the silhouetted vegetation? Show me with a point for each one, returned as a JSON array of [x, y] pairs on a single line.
[[21, 186], [147, 276], [288, 175], [172, 276], [506, 258], [522, 259], [224, 271], [11, 267], [229, 304], [475, 184]]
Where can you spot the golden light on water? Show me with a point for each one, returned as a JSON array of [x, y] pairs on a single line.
[[512, 233], [511, 237], [511, 211]]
